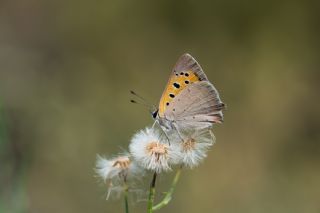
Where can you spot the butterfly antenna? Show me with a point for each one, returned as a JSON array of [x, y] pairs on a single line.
[[142, 101], [143, 104], [138, 102]]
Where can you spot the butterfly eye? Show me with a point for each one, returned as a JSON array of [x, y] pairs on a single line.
[[155, 113]]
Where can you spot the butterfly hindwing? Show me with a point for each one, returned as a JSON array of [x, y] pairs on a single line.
[[199, 105]]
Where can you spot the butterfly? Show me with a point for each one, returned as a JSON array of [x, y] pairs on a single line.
[[189, 99]]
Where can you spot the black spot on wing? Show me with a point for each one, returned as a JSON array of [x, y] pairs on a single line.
[[176, 85]]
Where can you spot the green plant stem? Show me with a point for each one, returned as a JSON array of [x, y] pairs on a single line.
[[168, 195], [152, 193], [126, 190]]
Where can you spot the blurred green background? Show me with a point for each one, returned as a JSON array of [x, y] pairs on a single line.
[[66, 68]]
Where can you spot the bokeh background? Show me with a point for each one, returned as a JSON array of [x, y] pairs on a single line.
[[66, 68]]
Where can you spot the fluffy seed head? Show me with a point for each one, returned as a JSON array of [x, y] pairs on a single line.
[[118, 172], [116, 169], [188, 145], [151, 152], [193, 149], [122, 162], [157, 149]]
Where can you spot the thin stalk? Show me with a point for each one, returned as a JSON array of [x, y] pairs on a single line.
[[152, 193], [126, 190], [168, 195]]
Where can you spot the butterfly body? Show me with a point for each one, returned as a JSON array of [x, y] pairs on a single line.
[[189, 99]]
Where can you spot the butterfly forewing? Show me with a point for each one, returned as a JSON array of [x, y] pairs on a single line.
[[187, 62], [186, 72]]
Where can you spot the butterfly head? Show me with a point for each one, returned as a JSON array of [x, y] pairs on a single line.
[[155, 113]]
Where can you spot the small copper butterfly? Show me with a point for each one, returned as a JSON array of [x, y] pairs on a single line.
[[189, 99]]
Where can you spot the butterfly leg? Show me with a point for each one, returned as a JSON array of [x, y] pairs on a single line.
[[175, 126], [165, 133], [154, 123], [162, 128]]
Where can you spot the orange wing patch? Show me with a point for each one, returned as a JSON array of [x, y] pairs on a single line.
[[176, 83]]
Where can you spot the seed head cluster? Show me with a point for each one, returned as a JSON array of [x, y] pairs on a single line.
[[151, 149]]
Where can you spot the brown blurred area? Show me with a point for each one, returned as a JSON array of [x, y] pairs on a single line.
[[66, 69]]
